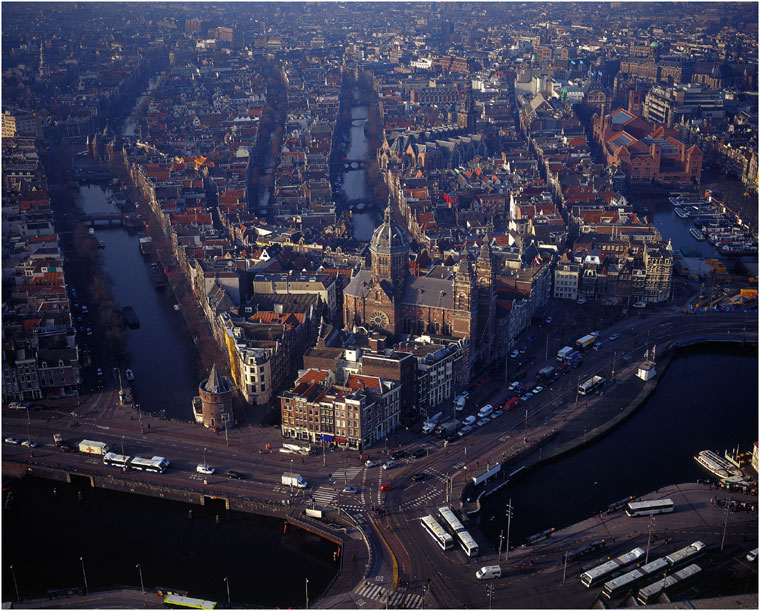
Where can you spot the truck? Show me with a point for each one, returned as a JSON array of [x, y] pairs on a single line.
[[545, 374], [448, 428], [98, 448], [585, 341], [293, 479], [590, 385], [562, 354]]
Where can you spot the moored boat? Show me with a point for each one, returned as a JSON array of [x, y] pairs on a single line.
[[680, 212], [129, 375], [717, 465], [696, 234]]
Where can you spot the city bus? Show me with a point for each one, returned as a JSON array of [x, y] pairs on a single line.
[[690, 552], [466, 542], [650, 593], [157, 464], [617, 586], [172, 601], [440, 536], [116, 460], [597, 574], [649, 508]]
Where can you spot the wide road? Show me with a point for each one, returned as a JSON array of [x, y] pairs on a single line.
[[396, 512]]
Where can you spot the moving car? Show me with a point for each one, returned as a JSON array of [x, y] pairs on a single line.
[[419, 453], [418, 477], [371, 463], [28, 443], [389, 465], [386, 487], [205, 469], [514, 354], [537, 389], [235, 475], [548, 320], [12, 440], [614, 336], [350, 490]]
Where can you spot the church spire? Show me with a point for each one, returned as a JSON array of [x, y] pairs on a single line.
[[389, 211]]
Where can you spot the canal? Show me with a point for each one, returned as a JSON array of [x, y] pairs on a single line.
[[707, 399], [161, 349], [47, 528], [354, 181]]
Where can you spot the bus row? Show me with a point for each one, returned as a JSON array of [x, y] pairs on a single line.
[[443, 539], [157, 464], [609, 568]]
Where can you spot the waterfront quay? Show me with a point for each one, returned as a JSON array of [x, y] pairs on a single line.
[[386, 557]]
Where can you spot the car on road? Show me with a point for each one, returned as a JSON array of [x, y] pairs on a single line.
[[99, 372], [89, 331], [514, 354], [28, 443], [640, 304], [537, 389], [483, 421], [496, 414], [399, 454], [350, 490], [526, 396], [548, 320], [419, 453], [371, 463], [205, 469], [418, 477], [12, 440], [386, 487], [581, 300], [469, 420], [597, 346], [235, 475], [614, 336], [389, 465], [464, 393], [66, 448], [465, 430]]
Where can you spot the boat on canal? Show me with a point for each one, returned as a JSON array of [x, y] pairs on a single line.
[[157, 277], [717, 465], [129, 375], [681, 212], [697, 234]]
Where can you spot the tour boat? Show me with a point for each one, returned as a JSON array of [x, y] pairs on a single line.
[[696, 234], [717, 465]]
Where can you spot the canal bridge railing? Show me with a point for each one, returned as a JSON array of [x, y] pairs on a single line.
[[110, 217]]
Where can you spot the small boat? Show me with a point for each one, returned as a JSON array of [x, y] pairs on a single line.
[[697, 234], [680, 212], [129, 374], [176, 307]]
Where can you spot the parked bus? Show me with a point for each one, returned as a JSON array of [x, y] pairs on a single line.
[[186, 602], [601, 572], [615, 587], [649, 508], [466, 542], [686, 554], [440, 536], [650, 593]]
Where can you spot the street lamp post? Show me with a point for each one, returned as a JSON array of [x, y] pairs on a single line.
[[509, 524], [725, 524], [15, 585], [84, 574], [122, 445], [501, 540], [307, 592], [204, 457], [142, 583], [649, 538], [227, 582], [291, 475]]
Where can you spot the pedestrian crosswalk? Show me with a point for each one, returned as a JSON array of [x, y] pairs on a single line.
[[324, 496], [346, 474], [436, 473], [425, 499], [389, 598]]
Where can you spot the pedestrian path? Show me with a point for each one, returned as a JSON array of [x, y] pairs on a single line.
[[324, 496], [392, 600]]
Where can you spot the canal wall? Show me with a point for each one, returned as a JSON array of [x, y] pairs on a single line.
[[618, 410]]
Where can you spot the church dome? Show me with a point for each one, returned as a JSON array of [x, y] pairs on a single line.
[[389, 238]]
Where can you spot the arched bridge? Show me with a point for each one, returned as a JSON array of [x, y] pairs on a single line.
[[112, 218], [356, 164]]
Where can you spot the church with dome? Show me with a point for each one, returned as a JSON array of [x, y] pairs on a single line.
[[388, 299]]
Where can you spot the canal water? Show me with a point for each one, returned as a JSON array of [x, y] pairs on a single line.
[[131, 123], [354, 181], [161, 350], [707, 399], [46, 533]]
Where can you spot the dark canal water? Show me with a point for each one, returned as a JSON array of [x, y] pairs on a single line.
[[44, 535], [706, 400], [162, 354]]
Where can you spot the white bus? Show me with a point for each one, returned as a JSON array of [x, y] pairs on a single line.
[[649, 508], [651, 592], [466, 542], [617, 586], [157, 464], [690, 552], [597, 574], [116, 460], [440, 536]]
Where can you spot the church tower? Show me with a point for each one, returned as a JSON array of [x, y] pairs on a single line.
[[389, 252], [467, 116], [484, 279], [464, 317]]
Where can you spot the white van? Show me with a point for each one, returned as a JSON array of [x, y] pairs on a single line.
[[460, 403], [488, 572], [428, 427], [485, 411]]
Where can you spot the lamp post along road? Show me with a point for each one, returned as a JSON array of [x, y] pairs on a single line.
[[227, 582], [307, 592], [84, 574], [142, 584], [15, 585], [509, 524]]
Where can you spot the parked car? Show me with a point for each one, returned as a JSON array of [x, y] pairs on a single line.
[[468, 421], [350, 490], [496, 413], [418, 477], [235, 475], [483, 421], [526, 396], [514, 354], [12, 440], [389, 465], [537, 389], [205, 469], [28, 443], [640, 304]]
